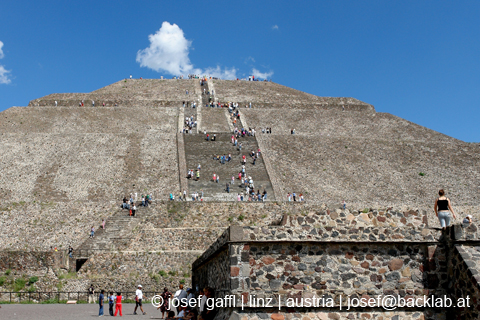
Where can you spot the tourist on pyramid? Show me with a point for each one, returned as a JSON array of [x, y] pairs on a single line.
[[442, 209], [198, 175], [214, 177], [134, 208], [92, 232]]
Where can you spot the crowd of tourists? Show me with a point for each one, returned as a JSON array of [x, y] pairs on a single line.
[[294, 197], [189, 124], [183, 304]]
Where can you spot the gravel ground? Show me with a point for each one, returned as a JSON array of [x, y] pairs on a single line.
[[63, 311]]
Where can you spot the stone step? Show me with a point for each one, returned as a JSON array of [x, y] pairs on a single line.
[[200, 151]]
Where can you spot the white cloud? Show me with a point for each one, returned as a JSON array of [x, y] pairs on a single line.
[[3, 72], [249, 59], [261, 75], [4, 75], [168, 52], [217, 72], [275, 27]]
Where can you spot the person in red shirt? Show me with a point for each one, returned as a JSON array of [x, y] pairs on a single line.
[[118, 304]]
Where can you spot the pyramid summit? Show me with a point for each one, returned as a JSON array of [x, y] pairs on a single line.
[[69, 160]]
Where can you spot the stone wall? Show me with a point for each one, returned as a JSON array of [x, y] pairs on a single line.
[[463, 269], [33, 261], [125, 270], [286, 261]]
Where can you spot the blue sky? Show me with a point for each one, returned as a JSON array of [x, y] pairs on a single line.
[[419, 60]]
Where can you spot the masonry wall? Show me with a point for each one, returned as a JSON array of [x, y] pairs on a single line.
[[33, 261], [463, 269]]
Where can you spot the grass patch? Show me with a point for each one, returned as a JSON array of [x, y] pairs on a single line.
[[8, 271], [32, 280], [69, 275], [19, 284], [241, 217], [365, 210], [162, 273], [421, 174]]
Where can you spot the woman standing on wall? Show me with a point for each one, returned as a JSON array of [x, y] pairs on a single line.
[[442, 209]]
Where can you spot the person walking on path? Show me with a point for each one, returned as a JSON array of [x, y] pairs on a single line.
[[103, 226], [138, 300], [118, 304], [442, 209], [100, 303]]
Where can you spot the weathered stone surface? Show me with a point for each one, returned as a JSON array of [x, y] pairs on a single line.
[[395, 264]]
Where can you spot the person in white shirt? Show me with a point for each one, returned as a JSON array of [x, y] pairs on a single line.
[[179, 295], [138, 300]]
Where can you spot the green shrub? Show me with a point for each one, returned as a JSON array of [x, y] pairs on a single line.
[[365, 210], [173, 273], [162, 273], [421, 174], [31, 288], [7, 272], [241, 217], [2, 280], [182, 281], [19, 284], [32, 280]]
